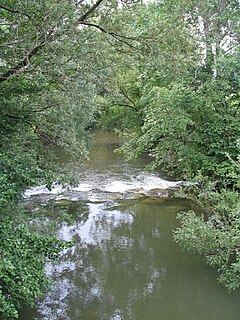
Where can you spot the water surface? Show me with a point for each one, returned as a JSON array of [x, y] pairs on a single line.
[[124, 264]]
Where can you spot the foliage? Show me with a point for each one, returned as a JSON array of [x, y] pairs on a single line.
[[186, 99], [214, 234], [188, 130], [185, 90], [169, 73], [20, 168], [48, 82], [217, 237], [22, 275]]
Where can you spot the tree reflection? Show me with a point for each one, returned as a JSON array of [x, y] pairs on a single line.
[[107, 274], [124, 265]]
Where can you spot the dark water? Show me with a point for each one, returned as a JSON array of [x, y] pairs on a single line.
[[124, 264]]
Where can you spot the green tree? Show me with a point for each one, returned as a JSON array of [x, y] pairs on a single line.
[[22, 276], [185, 90], [189, 109], [47, 86]]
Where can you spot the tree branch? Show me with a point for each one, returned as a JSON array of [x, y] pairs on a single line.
[[90, 11], [19, 118], [79, 2], [126, 96], [108, 32], [124, 105], [12, 71], [231, 251], [117, 36], [23, 63], [15, 11]]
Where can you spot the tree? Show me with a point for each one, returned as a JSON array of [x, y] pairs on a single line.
[[47, 87], [186, 89], [40, 66], [215, 237], [22, 276], [189, 109]]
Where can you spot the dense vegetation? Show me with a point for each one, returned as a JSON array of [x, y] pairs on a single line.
[[45, 78], [166, 73], [182, 97]]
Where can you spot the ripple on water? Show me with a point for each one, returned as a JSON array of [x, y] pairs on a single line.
[[145, 184]]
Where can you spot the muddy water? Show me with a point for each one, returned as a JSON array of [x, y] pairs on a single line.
[[124, 264]]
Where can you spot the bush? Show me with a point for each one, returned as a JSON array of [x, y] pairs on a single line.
[[22, 259], [215, 236]]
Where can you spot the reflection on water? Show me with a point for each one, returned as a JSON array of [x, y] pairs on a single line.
[[124, 264]]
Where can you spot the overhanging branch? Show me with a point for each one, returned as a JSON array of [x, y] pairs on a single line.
[[19, 118], [117, 36], [90, 11], [123, 92], [15, 11], [124, 105], [25, 61]]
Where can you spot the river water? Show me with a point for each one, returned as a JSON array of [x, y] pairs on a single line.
[[124, 263]]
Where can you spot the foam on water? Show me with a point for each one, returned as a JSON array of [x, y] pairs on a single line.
[[143, 182], [56, 189], [83, 187]]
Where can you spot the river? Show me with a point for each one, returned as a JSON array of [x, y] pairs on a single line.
[[124, 263]]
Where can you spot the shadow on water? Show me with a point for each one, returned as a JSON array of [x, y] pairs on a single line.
[[124, 264]]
